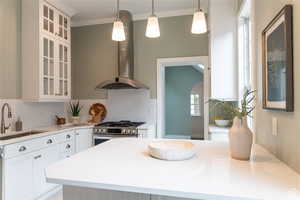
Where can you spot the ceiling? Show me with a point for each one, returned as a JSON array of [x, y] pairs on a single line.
[[93, 11]]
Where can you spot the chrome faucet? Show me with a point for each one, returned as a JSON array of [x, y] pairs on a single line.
[[9, 115]]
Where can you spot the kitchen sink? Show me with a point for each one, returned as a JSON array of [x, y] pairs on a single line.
[[8, 137]]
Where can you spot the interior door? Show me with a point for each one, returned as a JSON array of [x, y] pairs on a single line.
[[41, 160], [18, 178]]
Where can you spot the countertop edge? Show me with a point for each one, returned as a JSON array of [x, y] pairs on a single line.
[[48, 131], [152, 191]]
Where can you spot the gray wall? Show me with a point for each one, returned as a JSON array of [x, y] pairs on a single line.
[[179, 82], [286, 145], [10, 51], [94, 53]]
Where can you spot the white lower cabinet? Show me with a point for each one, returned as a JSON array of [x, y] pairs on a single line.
[[25, 175], [41, 160], [24, 163], [83, 139], [18, 181]]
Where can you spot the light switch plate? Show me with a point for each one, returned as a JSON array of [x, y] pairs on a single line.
[[274, 126]]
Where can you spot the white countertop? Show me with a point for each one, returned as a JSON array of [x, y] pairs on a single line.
[[124, 165], [45, 132]]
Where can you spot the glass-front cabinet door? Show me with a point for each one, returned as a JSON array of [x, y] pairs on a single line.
[[64, 72], [48, 69], [63, 27], [48, 19]]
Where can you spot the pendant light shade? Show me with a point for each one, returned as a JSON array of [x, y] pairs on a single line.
[[118, 33], [199, 21], [152, 30]]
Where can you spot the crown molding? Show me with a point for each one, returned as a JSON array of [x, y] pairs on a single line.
[[78, 23], [62, 7]]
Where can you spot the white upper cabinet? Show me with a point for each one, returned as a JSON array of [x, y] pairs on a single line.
[[223, 49], [46, 52]]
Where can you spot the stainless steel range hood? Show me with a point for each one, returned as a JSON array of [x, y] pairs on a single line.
[[125, 60]]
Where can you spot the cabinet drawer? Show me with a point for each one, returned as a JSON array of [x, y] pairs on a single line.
[[67, 147], [22, 148], [49, 140], [66, 136]]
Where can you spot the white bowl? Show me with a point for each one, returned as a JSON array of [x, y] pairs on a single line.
[[222, 123], [173, 150]]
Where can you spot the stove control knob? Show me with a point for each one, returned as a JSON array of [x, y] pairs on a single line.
[[123, 131], [128, 131], [133, 132]]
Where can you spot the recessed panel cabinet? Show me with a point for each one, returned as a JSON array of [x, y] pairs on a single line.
[[24, 163], [83, 139], [46, 52]]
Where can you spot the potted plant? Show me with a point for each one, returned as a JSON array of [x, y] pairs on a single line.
[[75, 109], [223, 116], [240, 136]]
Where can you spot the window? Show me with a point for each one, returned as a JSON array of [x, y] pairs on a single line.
[[244, 49], [195, 105], [244, 55]]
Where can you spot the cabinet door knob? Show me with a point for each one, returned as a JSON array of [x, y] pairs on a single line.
[[68, 136], [68, 146], [22, 148], [49, 141]]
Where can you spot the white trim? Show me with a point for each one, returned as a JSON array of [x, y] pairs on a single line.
[[77, 23], [62, 7], [162, 63]]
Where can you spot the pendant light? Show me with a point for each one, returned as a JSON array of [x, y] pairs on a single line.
[[118, 33], [152, 30], [199, 21]]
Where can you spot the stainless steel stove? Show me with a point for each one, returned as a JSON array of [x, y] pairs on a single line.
[[109, 130]]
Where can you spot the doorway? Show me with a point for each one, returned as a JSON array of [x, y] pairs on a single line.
[[182, 90]]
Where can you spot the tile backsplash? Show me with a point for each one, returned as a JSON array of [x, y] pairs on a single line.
[[32, 114], [135, 105]]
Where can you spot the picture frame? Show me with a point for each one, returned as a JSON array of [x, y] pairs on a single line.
[[277, 54]]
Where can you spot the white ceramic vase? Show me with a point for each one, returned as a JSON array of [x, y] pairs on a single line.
[[241, 139], [75, 120]]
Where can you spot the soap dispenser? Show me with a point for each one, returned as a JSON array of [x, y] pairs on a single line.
[[19, 124]]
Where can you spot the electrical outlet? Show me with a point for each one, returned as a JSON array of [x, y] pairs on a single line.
[[274, 126]]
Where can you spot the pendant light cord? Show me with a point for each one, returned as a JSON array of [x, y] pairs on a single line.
[[199, 8], [153, 7], [118, 12]]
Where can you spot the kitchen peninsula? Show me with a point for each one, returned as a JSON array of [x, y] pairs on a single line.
[[123, 169]]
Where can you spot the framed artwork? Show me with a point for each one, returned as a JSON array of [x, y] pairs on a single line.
[[278, 84]]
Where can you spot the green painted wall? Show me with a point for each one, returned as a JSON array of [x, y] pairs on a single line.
[[179, 82], [94, 56], [286, 145], [10, 49]]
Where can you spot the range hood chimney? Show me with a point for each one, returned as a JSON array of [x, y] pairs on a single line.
[[125, 60]]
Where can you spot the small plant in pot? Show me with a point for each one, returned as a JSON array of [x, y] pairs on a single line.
[[75, 109], [240, 136], [223, 117]]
